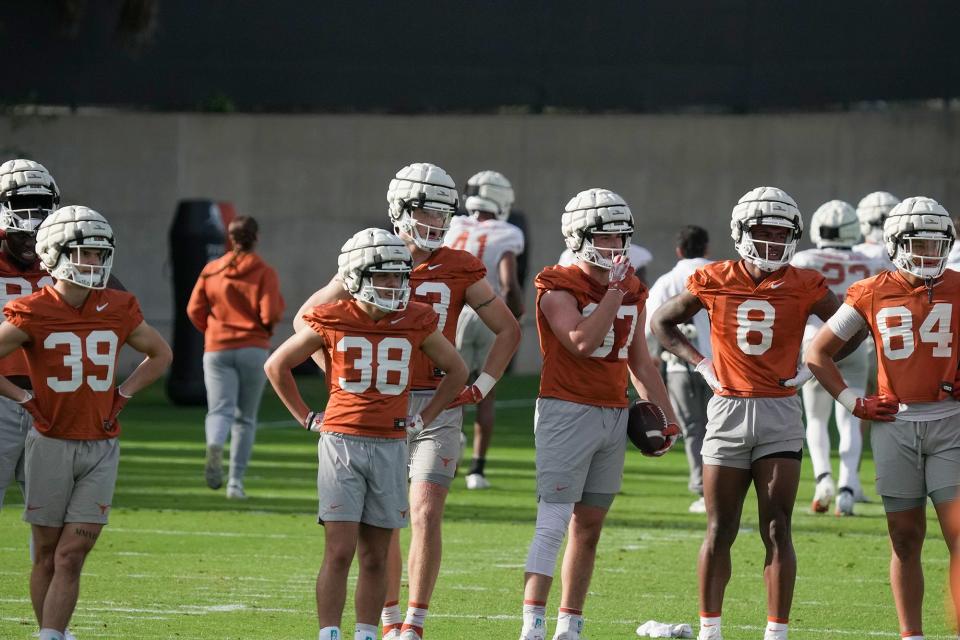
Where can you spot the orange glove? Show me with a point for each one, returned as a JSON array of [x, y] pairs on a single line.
[[474, 393], [30, 405], [878, 408], [672, 434], [119, 402]]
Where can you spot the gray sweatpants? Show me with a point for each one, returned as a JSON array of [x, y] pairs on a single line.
[[690, 394], [234, 379]]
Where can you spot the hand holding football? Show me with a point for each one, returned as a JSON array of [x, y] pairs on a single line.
[[646, 423]]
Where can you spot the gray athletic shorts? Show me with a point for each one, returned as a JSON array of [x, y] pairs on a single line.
[[580, 449], [362, 480], [69, 480], [915, 459], [474, 340], [435, 452], [15, 422], [740, 431]]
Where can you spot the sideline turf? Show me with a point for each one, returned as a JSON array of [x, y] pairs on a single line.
[[180, 561]]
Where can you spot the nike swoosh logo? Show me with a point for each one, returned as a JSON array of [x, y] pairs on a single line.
[[434, 266], [30, 507], [775, 285], [397, 320], [559, 488], [101, 307]]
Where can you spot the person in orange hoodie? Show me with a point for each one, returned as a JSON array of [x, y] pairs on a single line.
[[236, 303]]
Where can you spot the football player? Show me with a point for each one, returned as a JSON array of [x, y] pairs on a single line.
[[71, 333], [835, 229], [486, 234], [688, 390], [758, 307], [369, 343], [590, 317], [422, 198], [872, 211], [638, 257], [28, 194], [916, 431]]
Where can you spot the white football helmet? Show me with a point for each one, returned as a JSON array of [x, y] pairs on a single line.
[[28, 194], [918, 234], [422, 186], [64, 234], [835, 224], [596, 212], [872, 211], [372, 251], [765, 206], [491, 192]]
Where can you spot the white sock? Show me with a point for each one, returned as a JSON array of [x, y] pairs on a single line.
[[416, 614], [534, 620], [330, 633], [365, 632], [569, 620], [913, 636], [776, 630], [50, 634], [391, 617], [709, 622]]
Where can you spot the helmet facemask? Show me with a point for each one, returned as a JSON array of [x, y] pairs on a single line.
[[73, 263], [424, 235], [922, 253], [24, 213], [604, 257], [763, 253], [385, 298]]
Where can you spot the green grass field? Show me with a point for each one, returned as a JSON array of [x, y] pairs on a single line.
[[180, 561]]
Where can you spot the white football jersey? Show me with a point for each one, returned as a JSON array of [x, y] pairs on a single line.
[[876, 251], [953, 260], [841, 268], [488, 240]]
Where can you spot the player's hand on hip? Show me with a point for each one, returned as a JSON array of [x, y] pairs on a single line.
[[705, 369], [414, 425], [672, 434], [474, 393], [802, 377], [120, 400], [877, 408], [29, 404], [314, 421]]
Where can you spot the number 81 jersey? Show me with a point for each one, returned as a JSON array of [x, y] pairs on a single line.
[[601, 379], [369, 364], [915, 337], [72, 356], [756, 328]]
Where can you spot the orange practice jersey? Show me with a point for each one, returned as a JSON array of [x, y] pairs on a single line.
[[16, 282], [368, 365], [601, 379], [72, 355], [441, 281], [756, 329], [916, 339]]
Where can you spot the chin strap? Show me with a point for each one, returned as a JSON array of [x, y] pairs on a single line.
[[928, 283]]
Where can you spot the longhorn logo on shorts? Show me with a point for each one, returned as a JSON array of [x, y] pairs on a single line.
[[403, 513], [446, 461], [103, 508]]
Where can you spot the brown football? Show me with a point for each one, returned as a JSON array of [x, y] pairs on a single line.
[[645, 424]]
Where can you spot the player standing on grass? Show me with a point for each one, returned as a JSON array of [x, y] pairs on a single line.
[[590, 317], [369, 343], [422, 198], [916, 432], [835, 229], [486, 234], [71, 333], [28, 194], [758, 307]]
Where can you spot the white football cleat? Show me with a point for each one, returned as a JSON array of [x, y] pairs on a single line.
[[570, 634], [845, 501], [698, 506], [235, 491], [823, 495], [711, 633], [410, 634], [477, 481], [393, 634], [213, 467]]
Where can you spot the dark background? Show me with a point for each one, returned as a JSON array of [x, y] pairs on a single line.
[[485, 56]]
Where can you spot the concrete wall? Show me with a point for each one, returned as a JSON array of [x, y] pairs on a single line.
[[313, 180]]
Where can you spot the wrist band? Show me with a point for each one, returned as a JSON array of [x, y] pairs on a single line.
[[848, 399], [485, 383]]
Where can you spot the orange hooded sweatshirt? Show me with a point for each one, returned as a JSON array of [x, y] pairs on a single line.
[[236, 306]]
